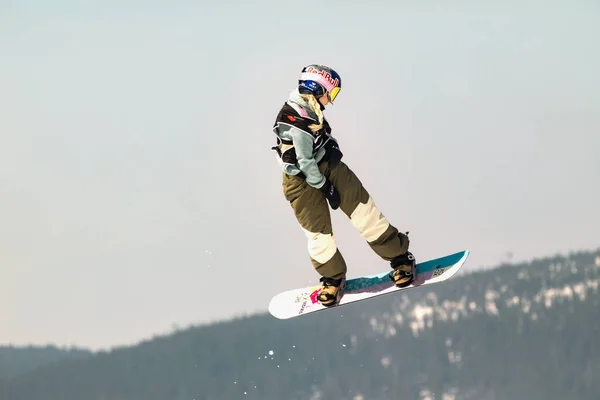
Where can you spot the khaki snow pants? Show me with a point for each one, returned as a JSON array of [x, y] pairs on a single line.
[[313, 214]]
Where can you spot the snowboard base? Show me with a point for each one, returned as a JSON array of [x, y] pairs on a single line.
[[301, 301]]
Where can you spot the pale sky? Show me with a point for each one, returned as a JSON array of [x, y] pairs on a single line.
[[137, 185]]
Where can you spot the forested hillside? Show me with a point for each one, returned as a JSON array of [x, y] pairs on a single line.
[[16, 361], [527, 331]]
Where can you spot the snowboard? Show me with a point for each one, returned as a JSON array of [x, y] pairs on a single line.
[[301, 301]]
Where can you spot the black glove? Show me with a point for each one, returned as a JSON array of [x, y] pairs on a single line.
[[331, 194]]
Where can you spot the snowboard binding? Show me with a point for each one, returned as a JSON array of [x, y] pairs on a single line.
[[332, 291], [404, 272]]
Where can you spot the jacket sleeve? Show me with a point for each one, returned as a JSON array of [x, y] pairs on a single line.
[[303, 145]]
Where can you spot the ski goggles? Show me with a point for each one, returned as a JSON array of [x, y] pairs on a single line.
[[333, 94]]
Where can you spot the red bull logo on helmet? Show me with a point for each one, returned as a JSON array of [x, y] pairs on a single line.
[[334, 82]]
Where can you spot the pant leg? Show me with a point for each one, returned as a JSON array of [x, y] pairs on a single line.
[[356, 202], [312, 212]]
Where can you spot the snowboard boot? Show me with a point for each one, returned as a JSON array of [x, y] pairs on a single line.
[[404, 270], [332, 291]]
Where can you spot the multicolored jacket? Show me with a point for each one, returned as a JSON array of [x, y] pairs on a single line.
[[299, 149]]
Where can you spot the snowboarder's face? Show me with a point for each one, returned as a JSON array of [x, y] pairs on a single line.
[[324, 100]]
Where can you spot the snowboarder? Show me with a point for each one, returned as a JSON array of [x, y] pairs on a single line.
[[314, 174]]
